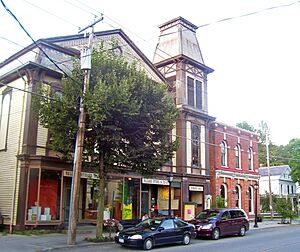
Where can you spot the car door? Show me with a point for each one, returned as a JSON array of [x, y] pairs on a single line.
[[235, 221], [166, 232], [225, 223]]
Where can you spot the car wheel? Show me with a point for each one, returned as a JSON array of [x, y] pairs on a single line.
[[148, 244], [242, 231], [186, 239], [215, 234]]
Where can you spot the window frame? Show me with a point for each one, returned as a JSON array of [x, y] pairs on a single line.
[[194, 91], [3, 140], [237, 154], [250, 159], [224, 155]]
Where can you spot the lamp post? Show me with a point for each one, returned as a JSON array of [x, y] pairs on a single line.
[[255, 221], [170, 179]]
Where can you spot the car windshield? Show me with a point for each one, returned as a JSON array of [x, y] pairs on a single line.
[[149, 223], [207, 215]]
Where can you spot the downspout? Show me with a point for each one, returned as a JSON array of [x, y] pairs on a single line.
[[17, 163]]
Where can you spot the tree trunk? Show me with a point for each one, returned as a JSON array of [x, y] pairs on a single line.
[[101, 197]]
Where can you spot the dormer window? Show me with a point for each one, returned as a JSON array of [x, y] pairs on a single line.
[[194, 93]]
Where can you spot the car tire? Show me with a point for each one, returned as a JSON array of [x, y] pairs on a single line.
[[148, 244], [186, 239], [215, 234], [242, 231]]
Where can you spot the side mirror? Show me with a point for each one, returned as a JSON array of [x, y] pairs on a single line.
[[160, 229]]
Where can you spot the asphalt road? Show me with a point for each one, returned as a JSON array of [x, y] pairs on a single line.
[[263, 240]]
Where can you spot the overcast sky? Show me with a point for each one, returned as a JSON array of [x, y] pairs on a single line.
[[256, 58]]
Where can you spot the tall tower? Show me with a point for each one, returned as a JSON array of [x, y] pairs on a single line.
[[179, 59]]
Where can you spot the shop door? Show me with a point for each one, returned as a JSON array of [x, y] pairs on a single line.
[[66, 199], [145, 203]]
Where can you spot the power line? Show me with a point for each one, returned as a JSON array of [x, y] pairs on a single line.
[[52, 14], [249, 14], [37, 45]]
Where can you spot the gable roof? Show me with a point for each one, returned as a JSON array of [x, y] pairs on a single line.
[[274, 170], [68, 45]]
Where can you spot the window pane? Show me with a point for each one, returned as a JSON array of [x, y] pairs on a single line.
[[50, 189], [190, 90], [198, 95], [34, 211], [195, 146]]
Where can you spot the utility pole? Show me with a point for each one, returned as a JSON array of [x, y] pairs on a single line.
[[85, 60], [269, 175]]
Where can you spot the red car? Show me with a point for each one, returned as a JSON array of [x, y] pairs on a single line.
[[215, 223]]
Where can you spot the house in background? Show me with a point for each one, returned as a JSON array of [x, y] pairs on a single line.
[[281, 181], [234, 166]]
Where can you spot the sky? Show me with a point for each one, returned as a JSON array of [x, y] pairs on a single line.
[[256, 57]]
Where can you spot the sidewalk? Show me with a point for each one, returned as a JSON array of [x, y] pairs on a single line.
[[58, 241]]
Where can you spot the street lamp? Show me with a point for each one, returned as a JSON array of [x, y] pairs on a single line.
[[255, 221], [170, 179]]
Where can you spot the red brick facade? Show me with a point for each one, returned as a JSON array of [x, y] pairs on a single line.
[[234, 184]]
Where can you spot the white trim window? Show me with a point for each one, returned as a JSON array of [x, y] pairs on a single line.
[[250, 159], [223, 193], [194, 93], [224, 154], [237, 151], [251, 199], [4, 119], [238, 196]]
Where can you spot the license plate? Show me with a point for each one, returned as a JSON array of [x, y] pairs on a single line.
[[121, 240]]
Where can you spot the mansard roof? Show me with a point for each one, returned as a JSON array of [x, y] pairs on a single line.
[[178, 40]]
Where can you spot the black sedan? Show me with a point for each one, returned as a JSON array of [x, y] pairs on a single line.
[[156, 231]]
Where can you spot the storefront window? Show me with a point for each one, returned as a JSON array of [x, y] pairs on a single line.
[[131, 199], [34, 211], [44, 195]]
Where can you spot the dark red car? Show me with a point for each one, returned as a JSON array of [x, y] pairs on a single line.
[[215, 223]]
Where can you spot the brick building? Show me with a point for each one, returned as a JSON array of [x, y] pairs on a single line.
[[234, 166]]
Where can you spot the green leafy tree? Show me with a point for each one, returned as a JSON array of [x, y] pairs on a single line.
[[293, 153], [128, 121], [284, 207], [246, 126]]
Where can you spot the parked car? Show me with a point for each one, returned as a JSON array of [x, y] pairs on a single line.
[[156, 231], [215, 223]]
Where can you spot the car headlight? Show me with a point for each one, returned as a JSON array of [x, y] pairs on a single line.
[[135, 237], [208, 226]]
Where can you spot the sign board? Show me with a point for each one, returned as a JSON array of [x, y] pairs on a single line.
[[189, 212], [83, 174], [196, 188], [155, 181]]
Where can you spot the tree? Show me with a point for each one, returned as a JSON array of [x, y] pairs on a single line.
[[246, 126], [284, 207], [129, 119], [293, 153]]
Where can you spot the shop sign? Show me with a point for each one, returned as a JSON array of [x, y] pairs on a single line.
[[155, 181], [83, 174], [196, 188]]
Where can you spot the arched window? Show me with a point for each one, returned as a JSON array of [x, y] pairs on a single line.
[[4, 119], [237, 156], [250, 159], [238, 198], [195, 146], [251, 199], [224, 153], [223, 193]]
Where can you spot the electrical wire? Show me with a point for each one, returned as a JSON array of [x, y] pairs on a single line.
[[37, 45], [52, 14]]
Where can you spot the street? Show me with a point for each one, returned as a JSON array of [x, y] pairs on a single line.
[[260, 240]]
